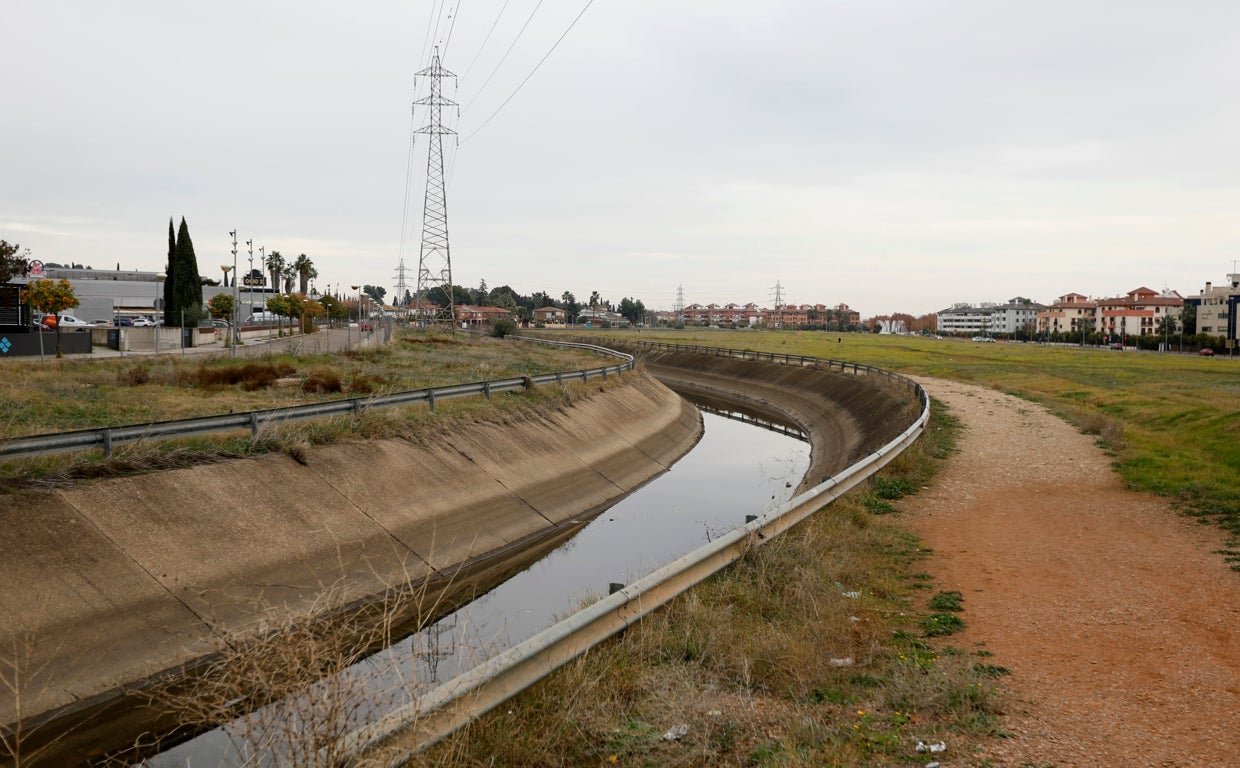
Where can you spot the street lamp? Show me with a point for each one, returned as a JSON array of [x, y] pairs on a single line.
[[233, 233], [231, 331], [359, 313], [159, 281]]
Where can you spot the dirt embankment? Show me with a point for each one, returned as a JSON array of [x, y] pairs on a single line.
[[111, 582]]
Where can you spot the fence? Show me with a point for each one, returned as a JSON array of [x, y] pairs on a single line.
[[108, 437]]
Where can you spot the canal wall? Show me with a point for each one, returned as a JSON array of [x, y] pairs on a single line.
[[847, 414], [115, 581]]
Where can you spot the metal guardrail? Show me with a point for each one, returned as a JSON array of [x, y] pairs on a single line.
[[108, 437], [396, 738]]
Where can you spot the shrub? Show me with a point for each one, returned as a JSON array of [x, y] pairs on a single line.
[[502, 328], [322, 380]]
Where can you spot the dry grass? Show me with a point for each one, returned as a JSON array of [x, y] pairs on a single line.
[[84, 394], [40, 398]]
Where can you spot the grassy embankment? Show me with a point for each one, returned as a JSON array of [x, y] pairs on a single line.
[[38, 398]]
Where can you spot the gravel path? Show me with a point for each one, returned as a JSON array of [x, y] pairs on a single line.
[[1119, 623]]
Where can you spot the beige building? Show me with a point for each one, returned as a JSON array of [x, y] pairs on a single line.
[[1216, 308], [1140, 312], [1067, 314]]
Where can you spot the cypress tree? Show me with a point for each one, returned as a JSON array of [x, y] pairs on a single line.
[[187, 287], [172, 247]]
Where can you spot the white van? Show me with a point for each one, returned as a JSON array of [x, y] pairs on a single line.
[[261, 318]]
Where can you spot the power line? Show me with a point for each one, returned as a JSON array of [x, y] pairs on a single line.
[[456, 11], [485, 40], [504, 58], [531, 74]]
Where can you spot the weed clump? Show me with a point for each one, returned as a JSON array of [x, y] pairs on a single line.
[[947, 601], [941, 624], [251, 376], [133, 375], [322, 380]]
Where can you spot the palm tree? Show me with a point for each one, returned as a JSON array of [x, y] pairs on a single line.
[[275, 268], [305, 270], [289, 273]]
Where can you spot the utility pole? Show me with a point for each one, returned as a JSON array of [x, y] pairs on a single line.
[[249, 284], [779, 305], [435, 260], [235, 314]]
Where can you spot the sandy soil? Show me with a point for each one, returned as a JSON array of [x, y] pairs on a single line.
[[1119, 623]]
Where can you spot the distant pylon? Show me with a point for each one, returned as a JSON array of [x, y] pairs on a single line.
[[435, 261], [402, 285], [680, 304], [779, 305]]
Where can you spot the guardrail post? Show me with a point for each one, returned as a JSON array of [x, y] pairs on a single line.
[[486, 389], [253, 424], [430, 398], [107, 443]]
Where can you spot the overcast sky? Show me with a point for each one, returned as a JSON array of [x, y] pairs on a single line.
[[891, 155]]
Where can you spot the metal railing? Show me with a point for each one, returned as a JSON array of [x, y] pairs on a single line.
[[394, 739], [108, 437]]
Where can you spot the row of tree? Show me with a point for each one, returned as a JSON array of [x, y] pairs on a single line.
[[522, 306]]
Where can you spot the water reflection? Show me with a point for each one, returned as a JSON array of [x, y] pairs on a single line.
[[736, 470]]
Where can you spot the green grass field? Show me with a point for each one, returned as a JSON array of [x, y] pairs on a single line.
[[1171, 421]]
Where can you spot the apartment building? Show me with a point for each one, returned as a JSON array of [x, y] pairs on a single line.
[[1067, 314], [1140, 311], [1217, 306], [966, 319]]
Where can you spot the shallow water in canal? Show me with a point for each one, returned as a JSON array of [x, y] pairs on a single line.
[[736, 470]]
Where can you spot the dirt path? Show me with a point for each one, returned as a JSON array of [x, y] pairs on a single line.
[[1119, 624]]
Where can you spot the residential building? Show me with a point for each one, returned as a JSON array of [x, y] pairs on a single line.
[[550, 317], [1018, 317], [966, 319], [1217, 306], [1140, 312], [1067, 315], [468, 314]]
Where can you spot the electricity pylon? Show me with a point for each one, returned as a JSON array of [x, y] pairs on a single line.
[[435, 261]]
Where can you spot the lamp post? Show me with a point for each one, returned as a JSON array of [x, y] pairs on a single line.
[[248, 288], [234, 287], [358, 288], [159, 281], [227, 268]]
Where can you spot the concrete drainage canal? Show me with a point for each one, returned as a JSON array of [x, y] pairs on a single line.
[[744, 465]]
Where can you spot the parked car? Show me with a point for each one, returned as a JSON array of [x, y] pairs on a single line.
[[1206, 352], [1117, 345], [64, 321], [143, 322], [984, 338], [100, 323], [219, 323]]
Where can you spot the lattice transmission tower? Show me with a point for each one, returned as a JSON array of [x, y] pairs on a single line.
[[435, 261]]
